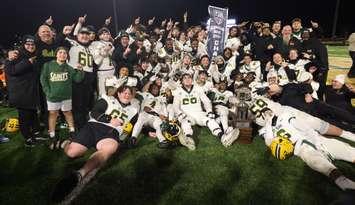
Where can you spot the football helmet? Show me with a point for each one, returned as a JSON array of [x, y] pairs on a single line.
[[170, 131], [281, 148], [10, 125]]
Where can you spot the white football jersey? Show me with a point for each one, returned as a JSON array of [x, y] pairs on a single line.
[[80, 55], [157, 104], [254, 66], [191, 101], [116, 110], [221, 97], [102, 58]]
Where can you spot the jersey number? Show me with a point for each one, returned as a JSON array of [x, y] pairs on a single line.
[[186, 101], [118, 114], [257, 107], [85, 59]]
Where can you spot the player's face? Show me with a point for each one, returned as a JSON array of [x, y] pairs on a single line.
[[155, 90], [276, 27], [62, 55], [296, 25], [123, 72], [277, 58], [194, 45], [92, 36], [105, 36], [124, 41], [272, 80], [286, 30], [30, 47], [202, 77], [125, 96], [187, 80], [83, 38], [222, 86], [187, 60], [293, 55], [205, 62], [45, 34], [247, 60], [233, 32], [182, 36], [169, 44], [336, 85]]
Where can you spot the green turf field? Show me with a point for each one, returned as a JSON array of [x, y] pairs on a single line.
[[212, 174]]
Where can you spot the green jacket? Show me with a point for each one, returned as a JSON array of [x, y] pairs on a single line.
[[57, 80]]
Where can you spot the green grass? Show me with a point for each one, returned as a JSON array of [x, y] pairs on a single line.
[[338, 51], [212, 174]]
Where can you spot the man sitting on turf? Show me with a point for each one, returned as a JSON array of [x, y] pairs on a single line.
[[108, 118]]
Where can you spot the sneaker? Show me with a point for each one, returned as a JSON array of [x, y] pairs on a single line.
[[3, 139], [164, 144], [229, 137], [54, 143], [187, 142], [39, 137], [65, 186], [30, 142]]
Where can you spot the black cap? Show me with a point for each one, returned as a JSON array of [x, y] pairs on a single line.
[[28, 39], [84, 30], [124, 34], [103, 30], [91, 28]]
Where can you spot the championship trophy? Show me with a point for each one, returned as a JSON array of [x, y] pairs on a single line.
[[243, 119]]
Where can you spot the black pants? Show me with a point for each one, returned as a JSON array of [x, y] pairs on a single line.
[[29, 123], [352, 69], [83, 97], [334, 115]]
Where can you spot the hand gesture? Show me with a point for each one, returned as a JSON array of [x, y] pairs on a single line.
[[108, 21], [13, 55], [185, 16], [314, 24], [68, 29], [170, 23], [32, 60], [350, 87], [137, 20], [49, 21], [268, 66], [127, 51], [163, 23], [82, 19], [151, 21]]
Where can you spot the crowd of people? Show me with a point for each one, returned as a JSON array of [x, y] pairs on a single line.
[[157, 78]]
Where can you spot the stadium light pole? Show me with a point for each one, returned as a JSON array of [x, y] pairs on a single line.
[[115, 15], [336, 13]]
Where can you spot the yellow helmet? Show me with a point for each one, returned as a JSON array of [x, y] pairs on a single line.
[[170, 131], [281, 148], [127, 128], [11, 125]]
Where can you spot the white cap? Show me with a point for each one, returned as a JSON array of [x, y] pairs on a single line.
[[340, 78], [304, 76]]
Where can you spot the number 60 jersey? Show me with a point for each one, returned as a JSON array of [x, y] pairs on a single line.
[[80, 55]]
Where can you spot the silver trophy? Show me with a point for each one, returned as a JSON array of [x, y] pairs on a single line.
[[243, 119]]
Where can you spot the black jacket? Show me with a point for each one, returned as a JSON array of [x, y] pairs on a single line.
[[23, 82], [340, 98], [130, 60]]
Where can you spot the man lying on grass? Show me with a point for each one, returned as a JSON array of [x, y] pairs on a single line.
[[108, 118]]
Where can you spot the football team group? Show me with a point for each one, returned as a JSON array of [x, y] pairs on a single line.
[[157, 79]]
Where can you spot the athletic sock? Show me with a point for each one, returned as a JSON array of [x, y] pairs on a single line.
[[348, 135], [344, 183], [52, 134]]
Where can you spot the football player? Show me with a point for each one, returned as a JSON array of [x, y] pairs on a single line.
[[285, 137], [80, 56], [102, 51], [104, 131], [318, 125], [188, 102], [221, 98]]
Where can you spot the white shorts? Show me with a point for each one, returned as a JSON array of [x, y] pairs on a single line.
[[65, 105]]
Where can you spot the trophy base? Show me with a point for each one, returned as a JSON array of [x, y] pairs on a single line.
[[245, 135]]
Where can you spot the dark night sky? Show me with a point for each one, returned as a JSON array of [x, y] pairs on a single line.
[[24, 16]]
